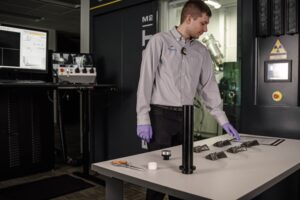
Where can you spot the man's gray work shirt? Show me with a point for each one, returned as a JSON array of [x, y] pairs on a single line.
[[168, 77]]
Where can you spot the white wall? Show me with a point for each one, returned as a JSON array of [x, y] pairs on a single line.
[[231, 34]]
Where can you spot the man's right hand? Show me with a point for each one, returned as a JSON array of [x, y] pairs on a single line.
[[144, 132]]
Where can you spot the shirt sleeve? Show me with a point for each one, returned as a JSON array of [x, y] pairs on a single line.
[[150, 62], [209, 91]]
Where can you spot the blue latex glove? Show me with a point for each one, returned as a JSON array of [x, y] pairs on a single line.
[[231, 131], [144, 132]]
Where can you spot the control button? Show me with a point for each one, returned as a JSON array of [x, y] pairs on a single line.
[[77, 70], [84, 70], [92, 70], [277, 96]]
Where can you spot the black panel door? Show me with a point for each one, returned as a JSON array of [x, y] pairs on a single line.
[[117, 43], [260, 114]]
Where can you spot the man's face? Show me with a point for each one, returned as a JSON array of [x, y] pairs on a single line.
[[198, 26]]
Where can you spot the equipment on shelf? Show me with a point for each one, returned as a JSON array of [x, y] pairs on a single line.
[[74, 68]]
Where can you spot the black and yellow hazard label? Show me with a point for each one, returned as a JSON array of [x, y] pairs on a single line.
[[278, 51], [277, 96]]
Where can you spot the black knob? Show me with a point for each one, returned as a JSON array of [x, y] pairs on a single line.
[[166, 154]]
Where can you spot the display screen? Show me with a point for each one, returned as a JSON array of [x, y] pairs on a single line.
[[23, 49], [278, 71]]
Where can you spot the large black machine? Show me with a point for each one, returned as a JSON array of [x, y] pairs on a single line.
[[74, 68], [277, 54]]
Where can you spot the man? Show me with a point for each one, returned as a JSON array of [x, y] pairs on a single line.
[[175, 67]]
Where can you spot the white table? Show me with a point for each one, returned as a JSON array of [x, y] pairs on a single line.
[[240, 176]]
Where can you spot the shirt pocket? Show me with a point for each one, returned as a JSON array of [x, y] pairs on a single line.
[[171, 61]]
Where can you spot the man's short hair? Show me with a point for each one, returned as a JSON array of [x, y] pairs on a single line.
[[195, 8]]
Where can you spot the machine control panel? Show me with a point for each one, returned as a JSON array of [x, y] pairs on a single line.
[[77, 75], [277, 71], [74, 68]]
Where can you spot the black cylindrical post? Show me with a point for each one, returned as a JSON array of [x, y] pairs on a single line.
[[187, 146]]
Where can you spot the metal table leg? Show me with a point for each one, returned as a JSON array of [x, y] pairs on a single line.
[[113, 189]]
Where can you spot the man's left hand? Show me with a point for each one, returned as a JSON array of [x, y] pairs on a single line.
[[231, 131]]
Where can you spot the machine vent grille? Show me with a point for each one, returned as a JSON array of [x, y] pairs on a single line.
[[13, 134]]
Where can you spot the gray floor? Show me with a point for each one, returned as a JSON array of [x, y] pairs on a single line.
[[131, 192]]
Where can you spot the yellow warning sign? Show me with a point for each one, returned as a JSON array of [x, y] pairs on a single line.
[[278, 48], [278, 51]]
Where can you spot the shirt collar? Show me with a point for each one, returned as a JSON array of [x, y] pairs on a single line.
[[178, 36]]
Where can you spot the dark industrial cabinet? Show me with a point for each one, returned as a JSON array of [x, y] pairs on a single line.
[[270, 101], [26, 132], [119, 34], [270, 67]]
